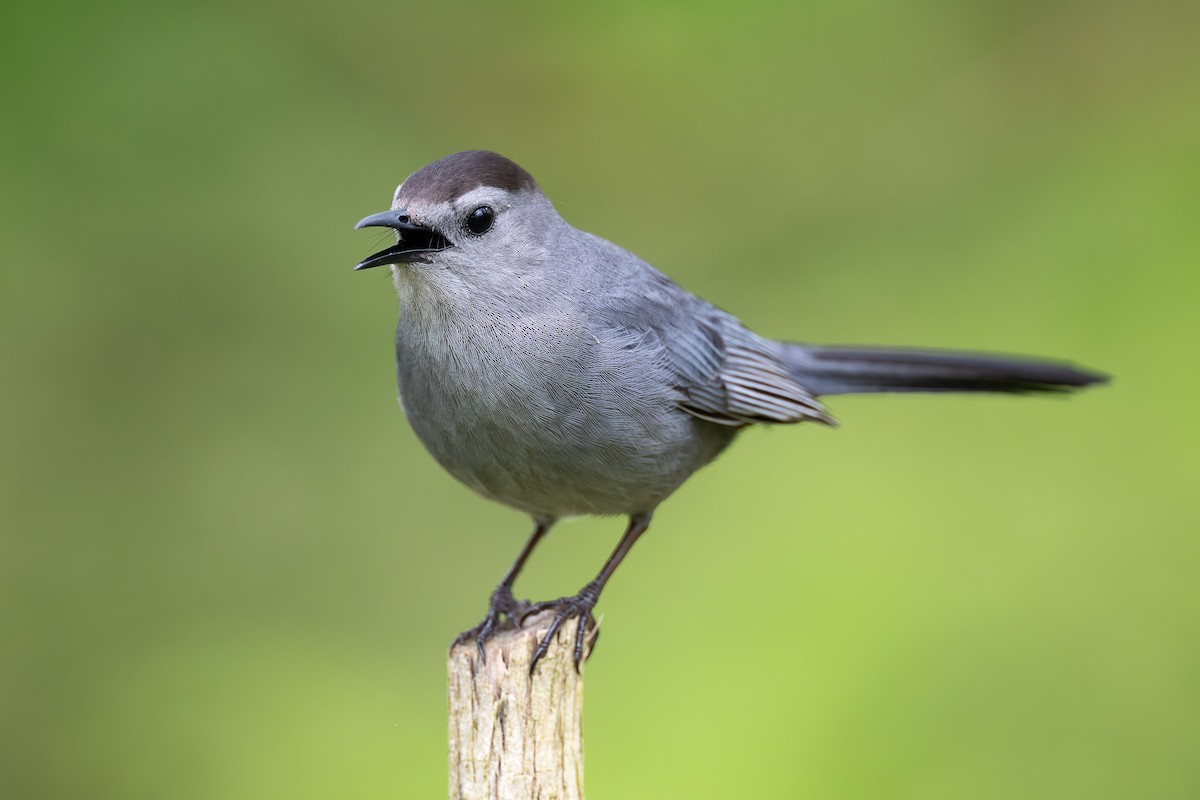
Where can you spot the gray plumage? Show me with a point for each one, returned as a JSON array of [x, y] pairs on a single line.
[[555, 372]]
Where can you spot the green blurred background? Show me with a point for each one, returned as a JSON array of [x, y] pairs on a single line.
[[228, 570]]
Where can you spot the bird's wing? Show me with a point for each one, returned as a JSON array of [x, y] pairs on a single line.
[[748, 384], [723, 372]]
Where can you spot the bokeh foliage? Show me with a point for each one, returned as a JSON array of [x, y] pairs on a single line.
[[229, 571]]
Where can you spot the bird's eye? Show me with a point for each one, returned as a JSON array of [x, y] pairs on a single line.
[[480, 220]]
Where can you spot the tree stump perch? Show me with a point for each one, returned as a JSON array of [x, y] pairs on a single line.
[[513, 735]]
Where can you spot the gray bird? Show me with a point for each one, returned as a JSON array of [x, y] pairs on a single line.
[[554, 372]]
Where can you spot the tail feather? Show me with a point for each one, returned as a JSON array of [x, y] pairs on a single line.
[[853, 370]]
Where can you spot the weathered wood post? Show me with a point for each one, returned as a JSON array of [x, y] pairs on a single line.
[[513, 735]]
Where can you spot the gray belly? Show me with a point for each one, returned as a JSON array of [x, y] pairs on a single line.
[[549, 429]]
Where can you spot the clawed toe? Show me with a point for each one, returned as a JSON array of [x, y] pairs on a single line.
[[504, 611], [565, 608]]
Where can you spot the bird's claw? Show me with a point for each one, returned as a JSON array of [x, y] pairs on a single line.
[[504, 611], [565, 608]]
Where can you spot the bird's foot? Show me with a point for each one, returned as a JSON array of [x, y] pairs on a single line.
[[565, 608], [503, 611]]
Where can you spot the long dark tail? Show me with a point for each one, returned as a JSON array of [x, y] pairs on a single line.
[[852, 370]]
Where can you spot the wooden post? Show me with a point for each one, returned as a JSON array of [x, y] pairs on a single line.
[[516, 736]]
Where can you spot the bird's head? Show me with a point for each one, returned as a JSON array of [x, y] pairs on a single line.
[[473, 213]]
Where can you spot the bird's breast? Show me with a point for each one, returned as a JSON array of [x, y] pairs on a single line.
[[535, 411]]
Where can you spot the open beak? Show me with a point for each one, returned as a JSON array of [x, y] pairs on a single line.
[[416, 241]]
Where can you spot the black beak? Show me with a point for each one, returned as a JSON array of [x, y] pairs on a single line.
[[416, 241]]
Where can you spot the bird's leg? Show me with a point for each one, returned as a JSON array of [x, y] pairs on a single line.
[[502, 602], [581, 605]]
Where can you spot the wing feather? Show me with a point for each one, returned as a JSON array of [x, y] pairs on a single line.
[[723, 372]]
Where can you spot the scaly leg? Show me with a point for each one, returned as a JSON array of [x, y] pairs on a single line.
[[502, 603], [581, 605]]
